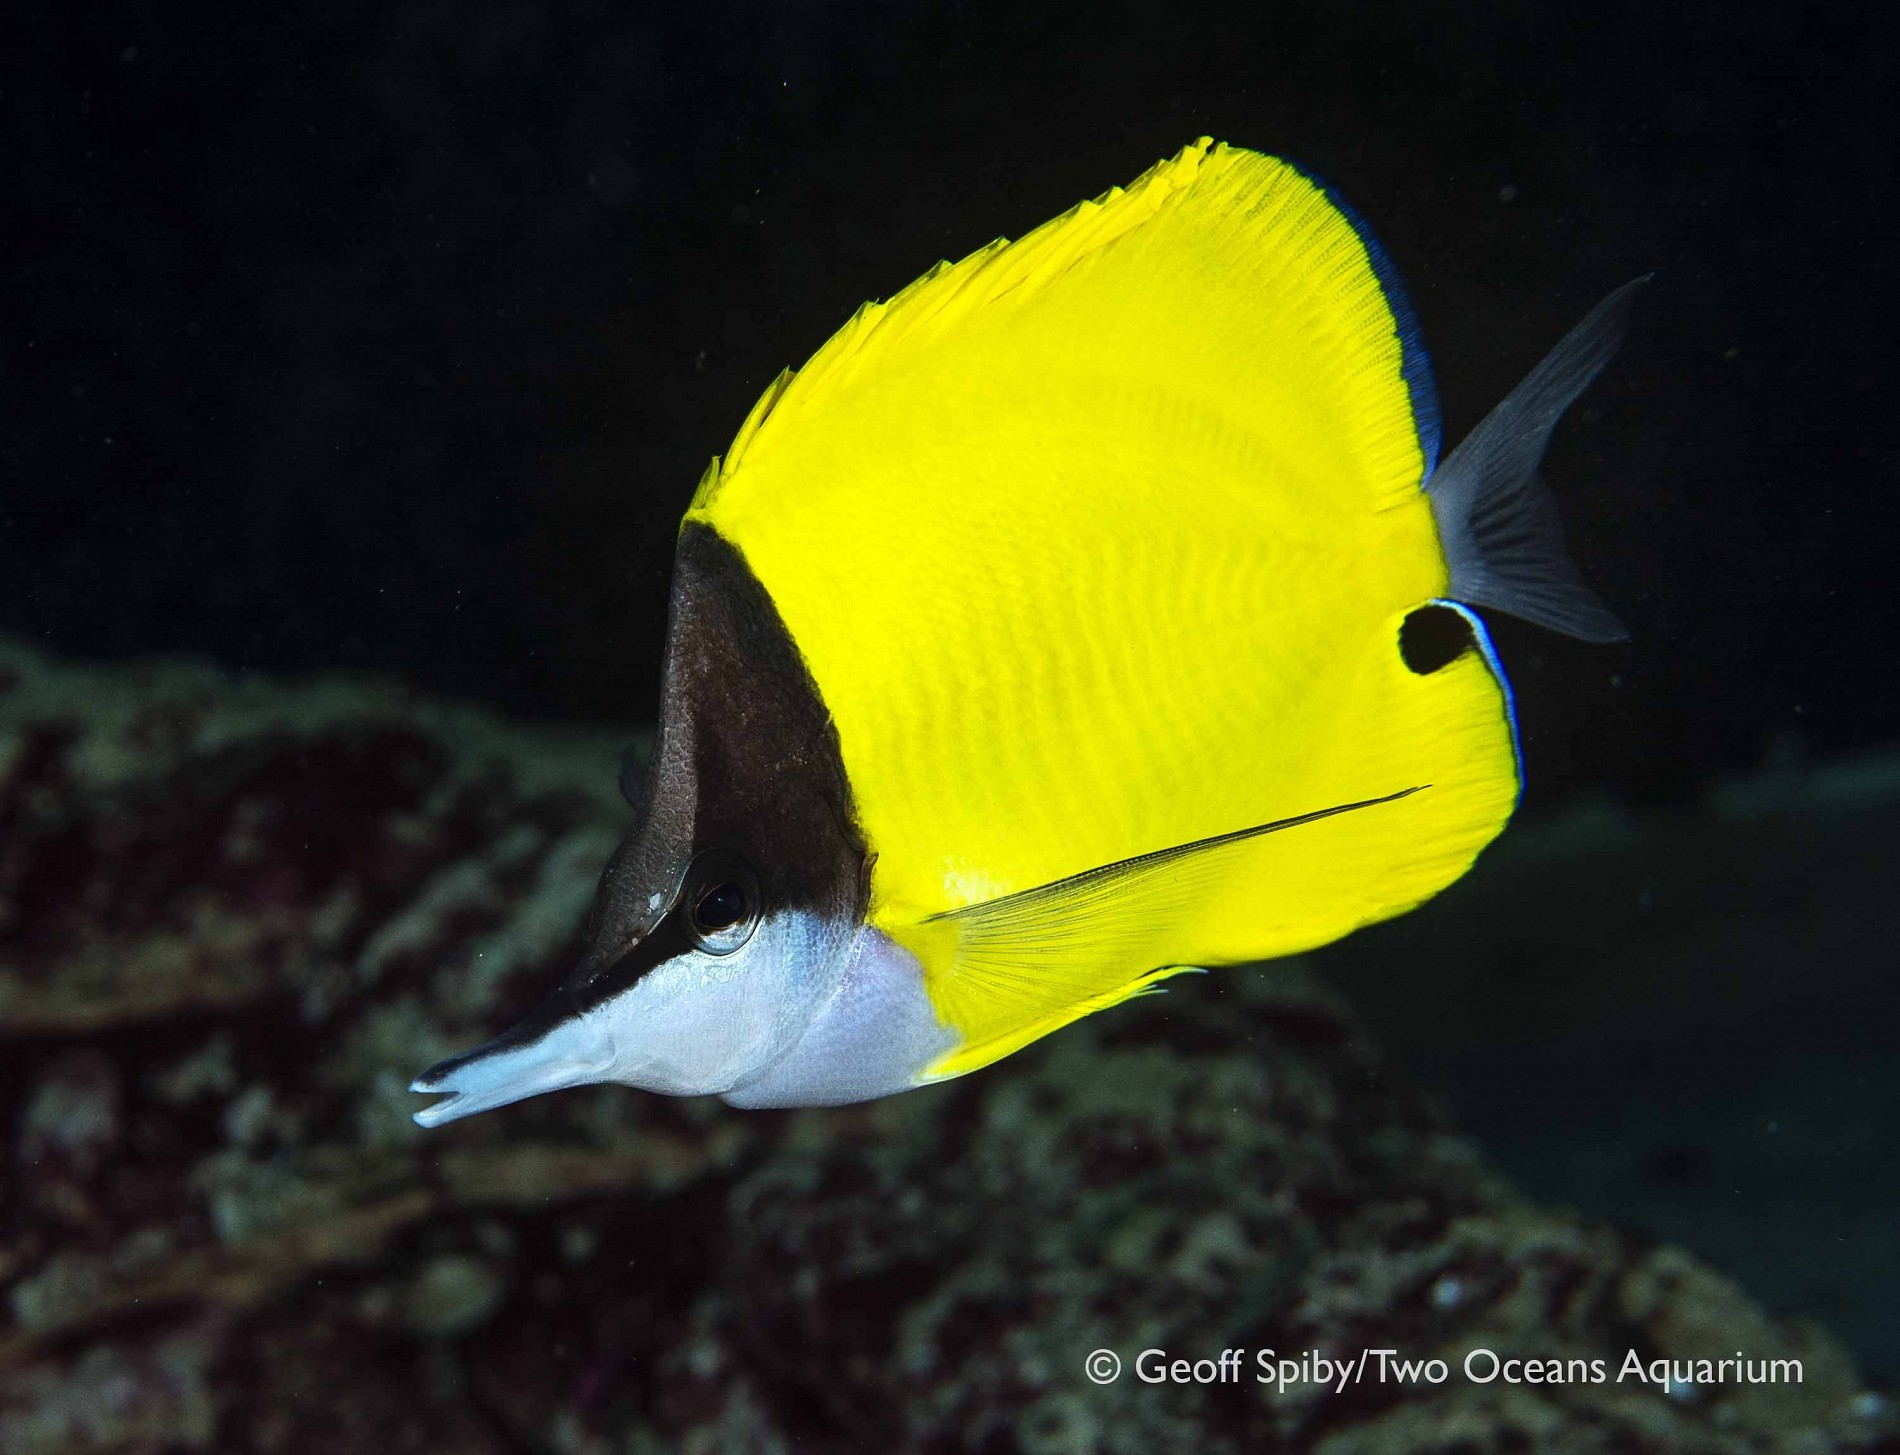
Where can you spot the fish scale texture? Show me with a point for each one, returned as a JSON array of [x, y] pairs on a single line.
[[234, 914]]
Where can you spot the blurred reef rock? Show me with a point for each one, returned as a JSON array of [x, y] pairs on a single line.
[[237, 915]]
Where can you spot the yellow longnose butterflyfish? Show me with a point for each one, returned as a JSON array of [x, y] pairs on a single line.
[[1093, 609]]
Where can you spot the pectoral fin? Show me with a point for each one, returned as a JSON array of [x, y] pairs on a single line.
[[1009, 971]]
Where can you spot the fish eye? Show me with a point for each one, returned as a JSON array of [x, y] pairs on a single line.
[[720, 907], [722, 904]]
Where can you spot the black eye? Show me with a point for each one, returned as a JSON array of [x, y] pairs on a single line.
[[718, 907], [722, 903]]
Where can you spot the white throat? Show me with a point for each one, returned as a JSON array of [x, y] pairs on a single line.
[[873, 1036]]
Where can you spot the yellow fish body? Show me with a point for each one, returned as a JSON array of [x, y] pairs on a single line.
[[1052, 631]]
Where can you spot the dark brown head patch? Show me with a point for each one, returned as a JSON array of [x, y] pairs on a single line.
[[746, 760]]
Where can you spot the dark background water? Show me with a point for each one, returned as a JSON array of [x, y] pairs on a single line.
[[395, 337]]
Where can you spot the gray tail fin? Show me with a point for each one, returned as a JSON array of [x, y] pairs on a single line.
[[1496, 519]]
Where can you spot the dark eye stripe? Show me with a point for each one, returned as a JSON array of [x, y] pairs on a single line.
[[669, 938], [715, 915]]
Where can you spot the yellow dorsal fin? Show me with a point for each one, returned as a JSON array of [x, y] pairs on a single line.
[[943, 296]]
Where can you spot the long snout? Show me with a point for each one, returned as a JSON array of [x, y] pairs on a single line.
[[547, 1052]]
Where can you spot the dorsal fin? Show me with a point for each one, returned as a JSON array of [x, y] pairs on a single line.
[[1497, 521]]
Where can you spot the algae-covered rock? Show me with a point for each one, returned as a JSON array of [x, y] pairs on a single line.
[[237, 916]]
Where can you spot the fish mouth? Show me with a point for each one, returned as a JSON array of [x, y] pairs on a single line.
[[543, 1053]]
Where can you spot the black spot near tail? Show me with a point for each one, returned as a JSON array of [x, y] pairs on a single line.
[[1434, 637]]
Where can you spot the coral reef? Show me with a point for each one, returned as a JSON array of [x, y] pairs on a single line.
[[235, 918]]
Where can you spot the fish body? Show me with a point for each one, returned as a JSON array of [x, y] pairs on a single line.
[[1052, 631]]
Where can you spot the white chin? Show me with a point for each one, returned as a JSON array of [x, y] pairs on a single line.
[[700, 1024], [874, 1035], [695, 1025]]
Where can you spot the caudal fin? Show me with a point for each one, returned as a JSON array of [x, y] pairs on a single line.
[[1496, 518]]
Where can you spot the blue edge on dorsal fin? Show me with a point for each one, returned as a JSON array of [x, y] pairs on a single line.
[[1415, 366]]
